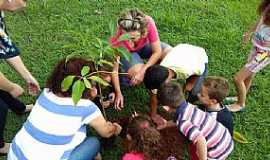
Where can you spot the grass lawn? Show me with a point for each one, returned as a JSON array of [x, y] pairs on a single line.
[[217, 25]]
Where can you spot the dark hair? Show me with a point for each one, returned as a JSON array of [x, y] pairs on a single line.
[[63, 69], [264, 10], [155, 76], [217, 87], [132, 20], [170, 94], [145, 137]]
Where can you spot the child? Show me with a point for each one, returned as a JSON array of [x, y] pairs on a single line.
[[144, 139], [185, 62], [56, 128], [144, 43], [213, 92], [258, 58], [211, 138]]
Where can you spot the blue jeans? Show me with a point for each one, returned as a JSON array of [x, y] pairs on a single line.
[[193, 95], [138, 56], [87, 150]]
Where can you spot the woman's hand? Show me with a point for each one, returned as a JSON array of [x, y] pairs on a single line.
[[119, 101], [138, 78], [118, 129], [32, 85]]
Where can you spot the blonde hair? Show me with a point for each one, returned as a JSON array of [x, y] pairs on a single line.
[[132, 20]]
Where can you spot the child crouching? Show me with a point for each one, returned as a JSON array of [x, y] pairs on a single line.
[[211, 138]]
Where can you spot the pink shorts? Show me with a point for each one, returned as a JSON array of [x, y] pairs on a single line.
[[257, 60]]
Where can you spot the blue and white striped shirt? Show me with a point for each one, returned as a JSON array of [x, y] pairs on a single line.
[[53, 129]]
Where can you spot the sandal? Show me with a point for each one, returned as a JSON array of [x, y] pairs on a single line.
[[240, 109]]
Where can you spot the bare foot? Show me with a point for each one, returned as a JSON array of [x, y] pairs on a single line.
[[158, 120], [5, 149], [98, 157], [28, 108], [16, 91], [236, 107]]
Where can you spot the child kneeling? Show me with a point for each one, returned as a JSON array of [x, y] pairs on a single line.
[[211, 138]]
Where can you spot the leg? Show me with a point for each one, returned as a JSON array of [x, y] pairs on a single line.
[[87, 150], [243, 75], [12, 103], [3, 116], [14, 89]]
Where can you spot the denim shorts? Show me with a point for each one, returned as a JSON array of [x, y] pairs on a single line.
[[139, 56]]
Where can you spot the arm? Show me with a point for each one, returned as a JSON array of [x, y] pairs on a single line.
[[119, 99], [247, 34], [104, 128], [201, 148], [156, 55], [17, 64], [153, 104]]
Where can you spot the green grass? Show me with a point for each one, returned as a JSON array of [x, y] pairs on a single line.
[[216, 25]]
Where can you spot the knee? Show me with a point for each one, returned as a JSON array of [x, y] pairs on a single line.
[[95, 143], [237, 79]]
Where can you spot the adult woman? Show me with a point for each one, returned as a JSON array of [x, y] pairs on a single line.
[[56, 128], [144, 43]]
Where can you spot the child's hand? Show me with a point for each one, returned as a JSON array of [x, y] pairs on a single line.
[[167, 125]]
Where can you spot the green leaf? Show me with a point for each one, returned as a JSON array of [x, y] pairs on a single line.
[[99, 80], [124, 53], [77, 91], [85, 70], [102, 61], [112, 28], [87, 83], [238, 137], [67, 82], [124, 37]]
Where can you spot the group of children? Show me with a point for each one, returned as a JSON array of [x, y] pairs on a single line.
[[56, 128]]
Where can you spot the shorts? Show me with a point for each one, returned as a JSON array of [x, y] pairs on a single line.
[[7, 47], [138, 56], [258, 59]]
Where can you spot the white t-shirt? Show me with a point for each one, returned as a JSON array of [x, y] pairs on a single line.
[[186, 60], [53, 129]]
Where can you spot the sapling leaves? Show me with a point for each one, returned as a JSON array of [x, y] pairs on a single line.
[[124, 37], [77, 91], [67, 82], [102, 61], [85, 70], [99, 80], [124, 53], [87, 83]]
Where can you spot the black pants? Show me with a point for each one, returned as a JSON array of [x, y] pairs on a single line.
[[8, 102]]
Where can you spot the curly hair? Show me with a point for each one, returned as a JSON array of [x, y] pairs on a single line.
[[217, 87], [145, 137], [264, 10], [72, 67], [133, 20]]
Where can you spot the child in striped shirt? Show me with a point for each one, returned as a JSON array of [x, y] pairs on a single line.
[[211, 138]]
